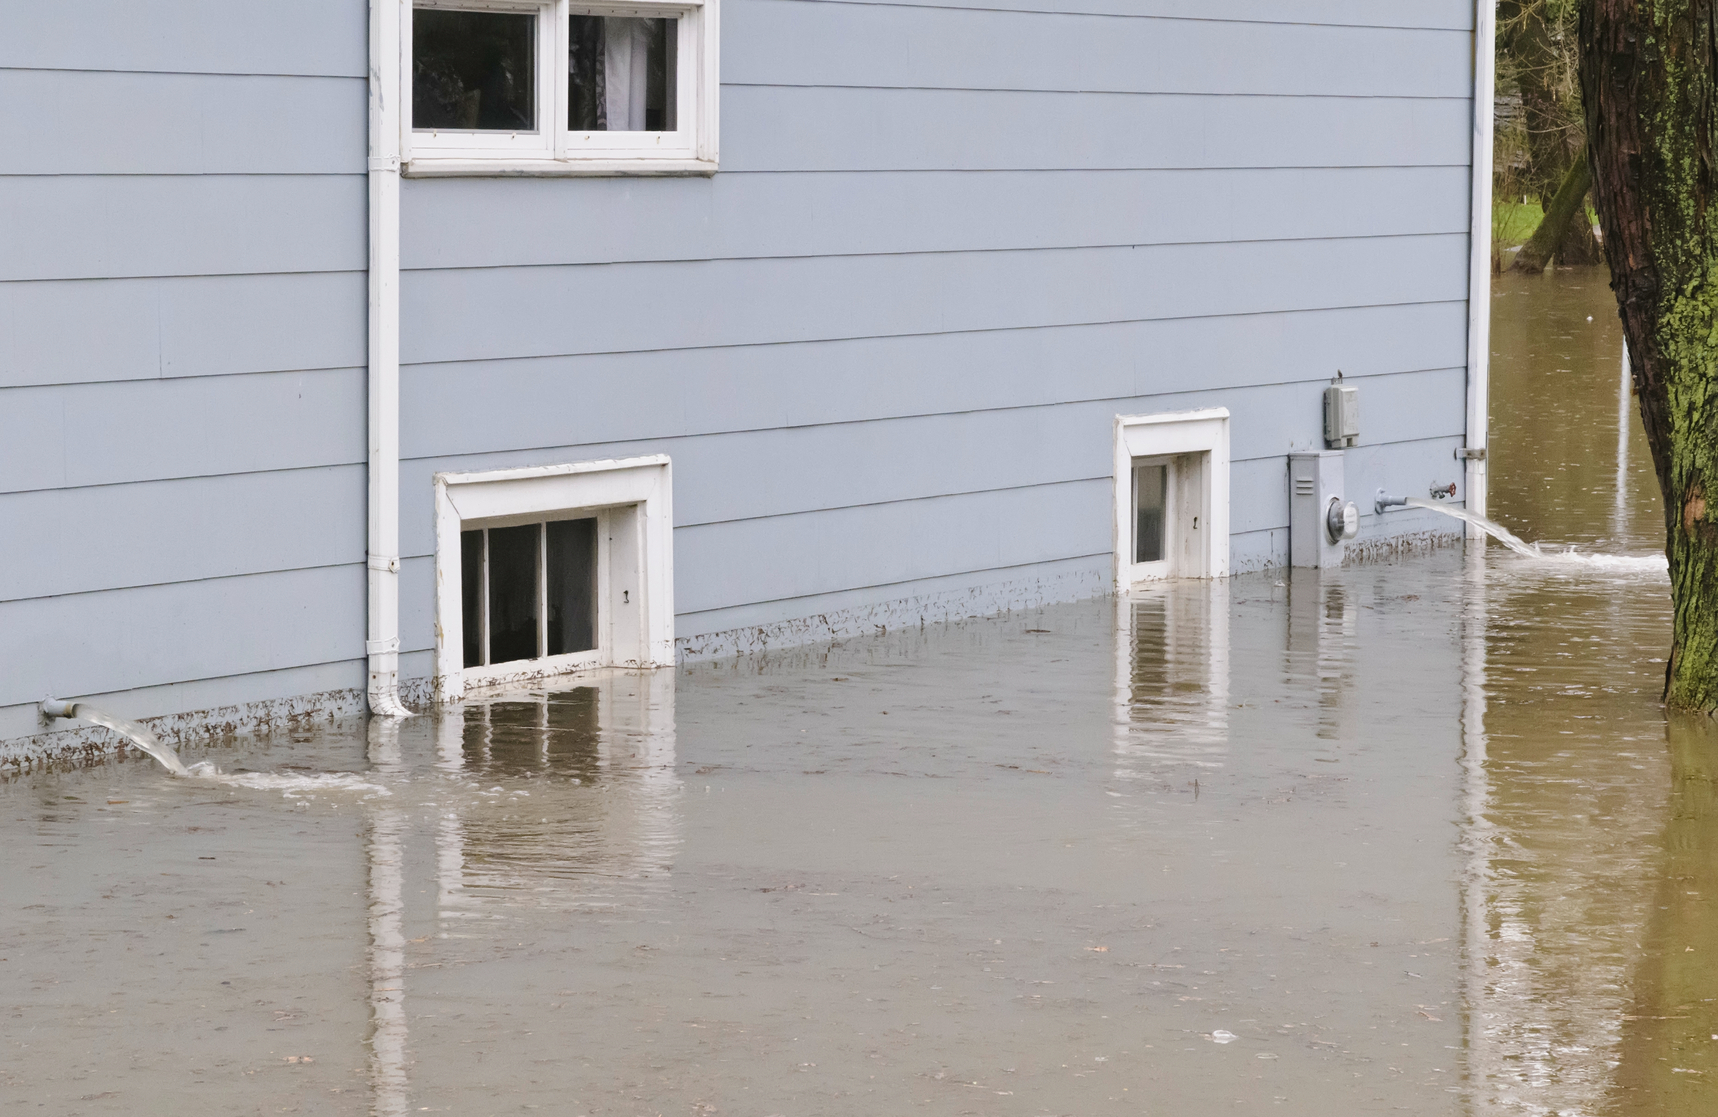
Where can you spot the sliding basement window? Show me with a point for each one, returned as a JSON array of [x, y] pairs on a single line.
[[549, 570], [530, 592]]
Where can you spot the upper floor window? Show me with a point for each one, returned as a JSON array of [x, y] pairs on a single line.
[[562, 87]]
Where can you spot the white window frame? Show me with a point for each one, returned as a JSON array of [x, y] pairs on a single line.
[[1188, 440], [632, 501], [553, 150]]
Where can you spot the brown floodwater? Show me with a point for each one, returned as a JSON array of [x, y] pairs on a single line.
[[1414, 836]]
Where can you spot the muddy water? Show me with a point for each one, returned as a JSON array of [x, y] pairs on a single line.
[[1412, 837]]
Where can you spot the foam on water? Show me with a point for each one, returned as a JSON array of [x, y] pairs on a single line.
[[292, 786], [1598, 561]]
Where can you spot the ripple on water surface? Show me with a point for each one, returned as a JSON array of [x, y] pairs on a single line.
[[1410, 836]]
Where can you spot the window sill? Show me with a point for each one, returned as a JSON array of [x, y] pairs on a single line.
[[556, 168]]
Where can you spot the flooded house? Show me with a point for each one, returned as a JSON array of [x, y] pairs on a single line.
[[360, 354]]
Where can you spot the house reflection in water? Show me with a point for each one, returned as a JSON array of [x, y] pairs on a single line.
[[586, 805]]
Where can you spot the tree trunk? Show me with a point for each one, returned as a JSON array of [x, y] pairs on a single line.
[[1535, 52], [1649, 84], [1566, 216]]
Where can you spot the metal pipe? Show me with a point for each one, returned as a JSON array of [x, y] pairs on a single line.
[[1479, 259], [382, 560], [1386, 501]]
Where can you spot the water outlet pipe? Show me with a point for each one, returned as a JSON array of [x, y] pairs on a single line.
[[146, 741], [1385, 500]]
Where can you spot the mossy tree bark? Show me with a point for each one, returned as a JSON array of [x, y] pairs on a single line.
[[1566, 215], [1649, 85]]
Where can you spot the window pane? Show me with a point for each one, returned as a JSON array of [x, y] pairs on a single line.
[[474, 70], [1150, 487], [471, 594], [513, 593], [621, 74], [572, 578]]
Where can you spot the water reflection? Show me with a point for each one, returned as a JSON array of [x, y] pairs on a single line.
[[522, 841], [1172, 687], [1669, 1053], [389, 1086], [1567, 788]]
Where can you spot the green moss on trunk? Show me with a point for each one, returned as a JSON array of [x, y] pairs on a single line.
[[1649, 82], [1569, 206]]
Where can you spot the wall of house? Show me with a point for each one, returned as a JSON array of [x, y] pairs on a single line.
[[947, 245], [883, 345], [182, 341]]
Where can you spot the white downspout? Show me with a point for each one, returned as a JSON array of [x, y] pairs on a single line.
[[1479, 261], [382, 642]]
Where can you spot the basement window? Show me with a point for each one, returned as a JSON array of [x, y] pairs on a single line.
[[529, 591], [561, 87], [1172, 496], [548, 570]]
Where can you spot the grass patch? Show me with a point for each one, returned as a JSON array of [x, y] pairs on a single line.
[[1513, 222]]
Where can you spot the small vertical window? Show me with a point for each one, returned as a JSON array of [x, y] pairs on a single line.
[[513, 553], [529, 591], [1150, 500], [572, 586], [474, 71], [472, 581], [621, 74]]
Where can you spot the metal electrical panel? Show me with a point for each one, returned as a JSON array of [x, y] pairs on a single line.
[[1341, 416], [1320, 520]]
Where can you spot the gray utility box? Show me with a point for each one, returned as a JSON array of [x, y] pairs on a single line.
[[1320, 520], [1341, 416]]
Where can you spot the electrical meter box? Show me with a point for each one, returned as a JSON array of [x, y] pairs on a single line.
[[1341, 416], [1320, 521]]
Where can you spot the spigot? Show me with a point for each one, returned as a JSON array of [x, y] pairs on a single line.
[[1386, 501], [58, 708]]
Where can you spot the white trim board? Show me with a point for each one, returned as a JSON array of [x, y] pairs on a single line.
[[1201, 436], [633, 497]]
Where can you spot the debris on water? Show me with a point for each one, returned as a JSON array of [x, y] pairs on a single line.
[[1222, 1036]]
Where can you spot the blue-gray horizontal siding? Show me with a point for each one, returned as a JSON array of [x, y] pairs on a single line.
[[806, 128], [885, 344], [628, 397], [82, 122], [786, 42], [77, 331], [473, 314], [109, 227], [741, 216], [182, 341], [179, 632], [1429, 14], [66, 435], [249, 37]]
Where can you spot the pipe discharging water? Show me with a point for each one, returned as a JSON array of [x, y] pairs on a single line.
[[130, 730], [292, 785], [1521, 546]]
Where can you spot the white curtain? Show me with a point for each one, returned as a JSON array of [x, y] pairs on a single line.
[[626, 66]]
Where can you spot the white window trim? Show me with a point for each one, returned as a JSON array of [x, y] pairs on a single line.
[[553, 151], [495, 498], [1166, 435]]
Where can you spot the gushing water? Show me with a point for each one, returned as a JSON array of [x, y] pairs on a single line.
[[137, 735], [291, 786], [1537, 551]]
